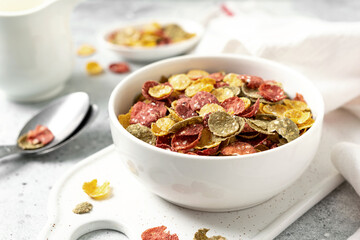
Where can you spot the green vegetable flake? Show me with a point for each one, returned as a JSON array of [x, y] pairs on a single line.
[[284, 127], [201, 235], [223, 124], [250, 93], [143, 133]]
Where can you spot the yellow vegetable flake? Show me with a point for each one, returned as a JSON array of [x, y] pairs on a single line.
[[160, 91], [85, 50], [297, 116], [205, 84], [306, 124], [174, 115], [277, 110], [233, 80], [93, 68], [207, 140], [180, 81], [197, 74], [223, 93], [97, 192], [210, 107], [246, 101], [299, 105], [124, 119], [162, 126]]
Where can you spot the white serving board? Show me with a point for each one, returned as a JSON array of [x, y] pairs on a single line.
[[132, 209]]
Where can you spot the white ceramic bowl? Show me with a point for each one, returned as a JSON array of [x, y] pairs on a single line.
[[155, 53], [216, 183]]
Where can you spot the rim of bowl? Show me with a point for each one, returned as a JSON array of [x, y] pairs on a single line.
[[103, 34], [122, 130]]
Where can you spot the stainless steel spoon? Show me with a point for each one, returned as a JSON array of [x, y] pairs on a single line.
[[63, 117]]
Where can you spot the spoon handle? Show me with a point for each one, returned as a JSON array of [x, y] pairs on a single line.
[[6, 151]]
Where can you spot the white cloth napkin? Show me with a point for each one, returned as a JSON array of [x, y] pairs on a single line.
[[346, 158], [328, 53]]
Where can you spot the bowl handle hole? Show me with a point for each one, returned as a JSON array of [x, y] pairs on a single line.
[[102, 229]]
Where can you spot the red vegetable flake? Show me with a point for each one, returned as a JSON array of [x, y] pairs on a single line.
[[191, 153], [163, 146], [251, 111], [40, 134], [191, 130], [183, 108], [221, 84], [163, 140], [299, 97], [207, 151], [164, 41], [238, 148], [200, 99], [219, 76], [252, 82], [261, 139], [234, 105], [146, 113], [158, 233], [275, 145], [247, 129], [226, 10], [145, 89], [206, 120], [184, 142], [120, 67], [271, 92]]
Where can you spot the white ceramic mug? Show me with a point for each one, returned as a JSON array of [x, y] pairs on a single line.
[[36, 57]]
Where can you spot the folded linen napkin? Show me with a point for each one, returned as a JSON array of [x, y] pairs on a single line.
[[346, 158], [328, 53]]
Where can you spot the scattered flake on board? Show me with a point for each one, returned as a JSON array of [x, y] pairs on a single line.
[[97, 192], [201, 235], [94, 68], [158, 233], [85, 50], [82, 208]]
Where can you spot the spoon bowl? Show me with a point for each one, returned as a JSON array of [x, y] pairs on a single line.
[[63, 117]]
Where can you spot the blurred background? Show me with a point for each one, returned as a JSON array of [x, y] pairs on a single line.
[[26, 183]]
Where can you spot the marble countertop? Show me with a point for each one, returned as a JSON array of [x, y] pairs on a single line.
[[25, 182]]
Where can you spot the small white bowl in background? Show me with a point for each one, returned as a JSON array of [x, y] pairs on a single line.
[[147, 54], [216, 183]]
